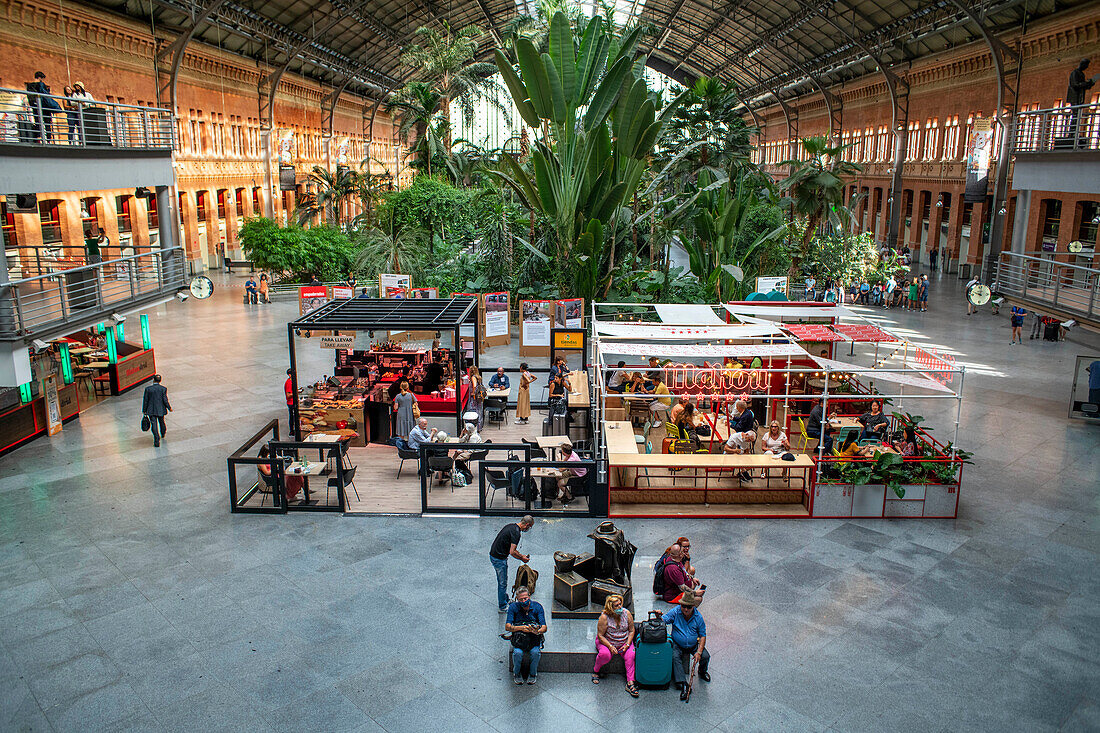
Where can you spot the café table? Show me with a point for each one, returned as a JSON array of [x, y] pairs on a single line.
[[301, 468]]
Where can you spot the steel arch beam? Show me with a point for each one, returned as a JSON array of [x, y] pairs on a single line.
[[166, 79], [1008, 85]]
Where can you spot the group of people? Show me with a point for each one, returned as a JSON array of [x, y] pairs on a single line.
[[873, 424], [525, 617], [76, 98], [651, 382], [257, 292], [911, 294]]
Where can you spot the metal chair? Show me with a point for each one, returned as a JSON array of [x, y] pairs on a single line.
[[536, 449], [349, 476], [408, 454], [442, 464], [497, 482], [496, 409]]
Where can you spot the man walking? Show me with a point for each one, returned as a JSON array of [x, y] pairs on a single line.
[[504, 546], [689, 641], [154, 403]]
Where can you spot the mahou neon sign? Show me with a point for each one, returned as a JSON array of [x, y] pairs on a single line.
[[693, 378]]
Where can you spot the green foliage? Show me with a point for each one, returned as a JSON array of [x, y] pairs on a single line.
[[454, 216], [297, 253], [330, 190]]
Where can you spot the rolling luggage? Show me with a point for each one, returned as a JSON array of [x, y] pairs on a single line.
[[1050, 331], [653, 656]]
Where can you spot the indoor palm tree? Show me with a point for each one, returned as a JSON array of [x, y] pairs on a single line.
[[330, 190]]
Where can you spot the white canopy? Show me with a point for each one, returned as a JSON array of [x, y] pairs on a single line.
[[702, 350], [688, 314], [792, 311], [657, 331], [909, 378]]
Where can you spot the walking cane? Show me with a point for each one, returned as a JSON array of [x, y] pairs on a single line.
[[691, 679]]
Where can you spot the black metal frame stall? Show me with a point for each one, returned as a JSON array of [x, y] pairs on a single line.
[[387, 314]]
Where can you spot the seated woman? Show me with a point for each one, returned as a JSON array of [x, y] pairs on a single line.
[[557, 399], [462, 457], [907, 444], [685, 424], [852, 448], [293, 484], [874, 422], [615, 635]]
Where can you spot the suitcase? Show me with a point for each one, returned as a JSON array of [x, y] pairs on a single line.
[[601, 589], [570, 590], [547, 426], [653, 664], [1050, 331], [561, 425], [585, 565]]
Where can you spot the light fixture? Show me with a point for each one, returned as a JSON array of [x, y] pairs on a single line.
[[181, 296], [370, 333], [40, 345], [438, 335], [1002, 211], [118, 317], [1096, 219], [939, 204]]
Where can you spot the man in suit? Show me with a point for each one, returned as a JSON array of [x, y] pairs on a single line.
[[44, 107], [154, 403]]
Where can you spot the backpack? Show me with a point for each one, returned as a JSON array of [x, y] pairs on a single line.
[[653, 630], [525, 576], [659, 575]]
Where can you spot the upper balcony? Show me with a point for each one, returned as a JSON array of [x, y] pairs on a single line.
[[53, 143], [1058, 150]]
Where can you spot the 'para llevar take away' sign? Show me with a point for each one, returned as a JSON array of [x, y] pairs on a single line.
[[337, 342]]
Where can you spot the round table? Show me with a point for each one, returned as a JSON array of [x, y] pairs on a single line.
[[819, 382]]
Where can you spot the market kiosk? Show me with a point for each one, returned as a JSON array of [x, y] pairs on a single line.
[[718, 355], [370, 358]]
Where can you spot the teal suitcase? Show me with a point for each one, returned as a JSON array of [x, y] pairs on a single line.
[[653, 664]]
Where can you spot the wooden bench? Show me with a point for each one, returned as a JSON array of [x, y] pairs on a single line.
[[230, 264]]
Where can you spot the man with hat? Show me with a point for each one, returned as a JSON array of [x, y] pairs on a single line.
[[689, 639]]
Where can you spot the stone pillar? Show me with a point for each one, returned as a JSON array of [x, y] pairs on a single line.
[[935, 226], [1021, 226]]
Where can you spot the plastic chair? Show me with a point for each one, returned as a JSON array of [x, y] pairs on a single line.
[[805, 437], [871, 441], [407, 455], [497, 481]]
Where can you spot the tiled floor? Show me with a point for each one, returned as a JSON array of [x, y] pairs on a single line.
[[130, 599]]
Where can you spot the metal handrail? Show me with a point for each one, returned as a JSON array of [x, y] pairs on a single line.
[[25, 119], [1061, 129], [1062, 287]]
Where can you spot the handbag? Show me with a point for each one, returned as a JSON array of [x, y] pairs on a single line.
[[416, 410], [145, 424]]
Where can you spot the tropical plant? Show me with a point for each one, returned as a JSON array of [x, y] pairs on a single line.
[[815, 192], [330, 190], [711, 115], [599, 127], [297, 253], [398, 250]]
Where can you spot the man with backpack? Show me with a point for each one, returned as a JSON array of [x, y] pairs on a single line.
[[504, 546], [689, 640], [670, 577], [527, 622]]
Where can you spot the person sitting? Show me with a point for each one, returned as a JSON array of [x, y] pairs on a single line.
[[462, 457], [292, 484], [685, 423], [559, 368], [557, 400], [852, 449], [664, 397], [636, 383], [420, 434], [677, 579], [874, 422], [250, 290], [527, 622], [818, 428], [678, 408], [689, 640], [775, 440], [499, 381], [618, 379], [615, 635], [742, 428], [685, 555], [907, 444], [568, 454]]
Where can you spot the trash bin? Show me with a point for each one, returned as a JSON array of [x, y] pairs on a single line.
[[964, 272]]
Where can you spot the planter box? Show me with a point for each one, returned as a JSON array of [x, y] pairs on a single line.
[[903, 508], [833, 500], [941, 500], [867, 500]]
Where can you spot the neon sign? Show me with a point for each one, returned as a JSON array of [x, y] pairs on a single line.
[[933, 363], [689, 377]]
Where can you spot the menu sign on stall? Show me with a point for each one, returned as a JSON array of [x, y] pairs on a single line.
[[53, 405], [337, 342], [393, 286], [339, 291]]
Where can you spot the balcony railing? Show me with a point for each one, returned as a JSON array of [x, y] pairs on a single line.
[[1064, 129], [45, 302], [33, 119], [1061, 287]]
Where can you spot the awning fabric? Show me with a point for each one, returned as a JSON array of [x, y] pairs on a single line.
[[668, 332], [702, 350], [907, 378], [790, 312], [864, 333], [687, 314], [812, 332]]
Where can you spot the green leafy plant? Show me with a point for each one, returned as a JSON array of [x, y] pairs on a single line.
[[330, 190], [295, 253]]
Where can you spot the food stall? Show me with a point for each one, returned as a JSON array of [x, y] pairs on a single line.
[[358, 394]]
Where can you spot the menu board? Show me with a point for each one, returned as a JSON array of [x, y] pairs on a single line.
[[424, 293], [496, 314], [393, 286], [536, 322]]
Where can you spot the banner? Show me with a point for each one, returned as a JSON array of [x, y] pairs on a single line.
[[393, 286], [536, 322], [979, 151], [768, 284], [340, 291], [342, 152], [286, 148], [569, 313], [496, 314], [311, 297]]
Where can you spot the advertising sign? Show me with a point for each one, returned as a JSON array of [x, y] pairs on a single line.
[[393, 286], [424, 293], [568, 339], [536, 322], [311, 297], [979, 151], [340, 291], [286, 148], [768, 284], [53, 405], [287, 180], [569, 313], [496, 314], [337, 342]]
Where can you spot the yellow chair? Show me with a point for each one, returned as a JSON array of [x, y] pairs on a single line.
[[803, 435]]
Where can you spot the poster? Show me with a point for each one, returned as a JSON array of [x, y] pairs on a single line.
[[496, 314], [569, 313], [311, 297], [342, 152], [424, 293], [340, 291], [393, 286], [53, 405], [768, 284], [979, 151], [536, 322]]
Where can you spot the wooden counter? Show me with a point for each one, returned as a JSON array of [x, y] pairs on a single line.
[[619, 437], [578, 393]]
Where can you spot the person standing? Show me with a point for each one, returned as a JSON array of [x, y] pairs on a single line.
[[1075, 93], [689, 640], [1093, 371], [933, 257], [504, 546], [404, 406], [154, 404], [922, 293], [288, 389], [1017, 320], [891, 286], [523, 399], [971, 309], [913, 287], [44, 107]]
